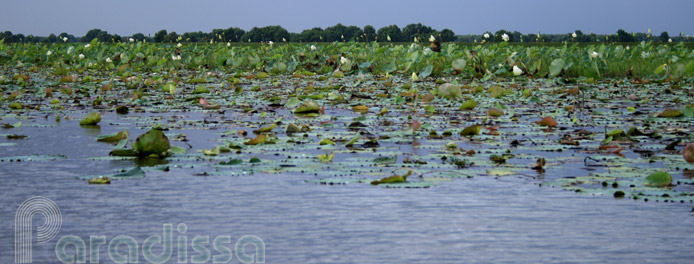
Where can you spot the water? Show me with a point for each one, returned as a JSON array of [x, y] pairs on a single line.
[[483, 219]]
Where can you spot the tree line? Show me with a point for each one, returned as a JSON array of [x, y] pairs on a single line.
[[340, 32]]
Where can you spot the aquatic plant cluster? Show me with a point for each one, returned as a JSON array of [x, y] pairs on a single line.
[[599, 119]]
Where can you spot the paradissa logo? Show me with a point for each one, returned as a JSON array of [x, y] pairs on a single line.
[[164, 243]]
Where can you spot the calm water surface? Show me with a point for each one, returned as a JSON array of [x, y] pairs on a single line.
[[511, 219]]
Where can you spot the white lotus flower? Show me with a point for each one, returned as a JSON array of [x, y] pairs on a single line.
[[388, 37], [87, 46], [313, 47], [517, 71], [175, 57], [573, 35], [669, 40], [432, 38], [486, 35], [414, 77], [81, 56], [628, 48], [228, 44], [90, 65], [284, 40], [271, 43], [64, 39], [179, 45], [70, 50], [505, 37], [594, 55], [343, 60], [48, 53], [131, 40], [415, 40], [108, 60]]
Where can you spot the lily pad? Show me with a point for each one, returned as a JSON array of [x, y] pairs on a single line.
[[671, 113], [688, 153], [113, 137], [153, 142], [658, 179], [468, 105], [307, 108], [450, 91], [473, 130], [92, 119]]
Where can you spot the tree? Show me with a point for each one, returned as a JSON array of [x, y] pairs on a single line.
[[369, 33], [70, 38], [498, 36], [171, 37], [447, 35], [353, 33], [664, 37], [138, 37], [233, 34], [115, 38], [91, 34], [310, 35], [335, 33], [418, 30], [268, 33], [52, 38], [96, 33], [160, 36], [393, 31], [623, 36]]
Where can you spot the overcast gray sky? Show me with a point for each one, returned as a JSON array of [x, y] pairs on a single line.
[[126, 17]]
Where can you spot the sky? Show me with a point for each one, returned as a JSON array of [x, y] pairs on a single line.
[[127, 17]]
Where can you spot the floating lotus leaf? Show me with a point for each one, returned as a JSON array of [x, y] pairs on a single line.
[[450, 91], [265, 129], [113, 137], [326, 157], [292, 128], [92, 119], [15, 106], [547, 121], [494, 112], [153, 142], [211, 152], [326, 141], [99, 180], [468, 105], [393, 179], [670, 113], [473, 130], [688, 153], [308, 107], [360, 108], [658, 179], [260, 139]]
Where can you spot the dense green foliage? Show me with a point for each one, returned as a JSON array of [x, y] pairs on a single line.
[[482, 61]]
